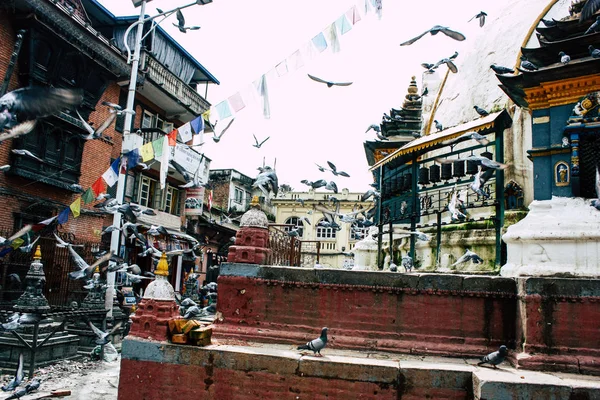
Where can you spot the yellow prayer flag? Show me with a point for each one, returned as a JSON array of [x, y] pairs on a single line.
[[147, 152], [206, 115], [76, 207], [17, 243]]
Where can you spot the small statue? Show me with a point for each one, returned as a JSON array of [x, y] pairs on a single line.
[[387, 260]]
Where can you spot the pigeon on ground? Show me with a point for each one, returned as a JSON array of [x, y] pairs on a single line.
[[316, 345], [481, 16], [102, 337], [564, 58], [17, 394], [33, 385], [258, 144], [595, 53], [407, 263], [434, 31], [27, 153], [498, 69], [329, 83], [468, 256], [596, 202], [438, 125], [181, 23], [335, 171], [218, 137], [528, 65], [495, 358], [18, 378], [481, 111], [31, 103]]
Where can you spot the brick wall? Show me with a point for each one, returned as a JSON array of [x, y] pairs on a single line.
[[220, 196]]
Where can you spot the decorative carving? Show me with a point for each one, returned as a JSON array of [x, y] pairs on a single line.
[[562, 176]]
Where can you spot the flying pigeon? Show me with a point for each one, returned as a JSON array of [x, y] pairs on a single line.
[[486, 162], [329, 83], [96, 133], [102, 337], [480, 180], [438, 125], [85, 271], [315, 184], [11, 239], [528, 65], [258, 144], [195, 181], [494, 358], [18, 378], [29, 246], [451, 66], [218, 137], [335, 171], [181, 23], [596, 202], [331, 186], [267, 182], [27, 153], [322, 169], [482, 140], [468, 256], [595, 53], [35, 102], [481, 111], [316, 345], [18, 130], [453, 205], [481, 17], [501, 70], [564, 58], [370, 193], [434, 31], [589, 9]]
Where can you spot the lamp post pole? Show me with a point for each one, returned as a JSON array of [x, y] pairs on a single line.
[[127, 143]]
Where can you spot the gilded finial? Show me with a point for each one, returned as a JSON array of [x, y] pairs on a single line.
[[254, 202], [412, 87], [163, 266], [38, 253]]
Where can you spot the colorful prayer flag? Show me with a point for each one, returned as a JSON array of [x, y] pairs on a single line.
[[111, 175], [88, 197], [223, 109], [263, 92], [342, 24], [295, 61], [210, 199], [17, 243], [164, 162], [236, 101], [198, 125], [44, 224], [98, 186], [333, 37], [281, 68], [63, 217], [157, 146], [172, 137], [76, 207], [133, 158], [353, 15], [320, 42], [185, 132], [147, 152]]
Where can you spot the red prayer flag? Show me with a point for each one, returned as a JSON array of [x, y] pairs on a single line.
[[98, 186], [172, 137]]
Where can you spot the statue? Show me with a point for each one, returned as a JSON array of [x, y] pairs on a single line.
[[387, 260]]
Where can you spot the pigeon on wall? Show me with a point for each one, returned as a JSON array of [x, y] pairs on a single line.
[[316, 345], [495, 358]]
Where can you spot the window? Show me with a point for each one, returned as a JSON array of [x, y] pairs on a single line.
[[146, 192], [150, 195], [297, 222], [172, 201], [238, 196], [325, 232], [152, 120], [358, 233]]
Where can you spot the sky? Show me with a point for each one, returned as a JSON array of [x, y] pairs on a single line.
[[310, 124]]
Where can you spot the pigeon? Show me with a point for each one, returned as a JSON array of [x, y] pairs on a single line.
[[96, 133], [30, 246], [157, 230], [596, 202], [316, 345], [595, 27], [428, 67], [494, 358], [468, 256], [329, 83], [549, 22], [267, 182], [257, 145], [480, 180], [218, 137], [486, 162], [438, 125], [149, 211], [451, 66], [528, 65], [419, 235], [315, 184], [335, 171], [425, 92], [331, 186], [498, 69], [33, 385], [481, 111], [115, 107], [18, 130], [453, 205], [102, 337], [294, 232], [564, 58], [481, 17], [35, 102], [407, 263], [370, 193], [85, 271], [18, 378], [595, 53], [195, 181], [434, 31], [103, 196], [20, 392], [482, 140], [181, 23], [12, 323], [4, 168], [128, 212], [27, 153]]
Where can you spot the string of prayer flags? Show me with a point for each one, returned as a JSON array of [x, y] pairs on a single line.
[[88, 197], [76, 207], [111, 175]]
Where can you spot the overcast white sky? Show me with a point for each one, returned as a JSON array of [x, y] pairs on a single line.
[[239, 40]]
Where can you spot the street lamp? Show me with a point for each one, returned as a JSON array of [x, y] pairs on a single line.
[[128, 138]]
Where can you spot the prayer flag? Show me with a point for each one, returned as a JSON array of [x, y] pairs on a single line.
[[17, 243], [147, 152], [88, 197], [198, 125], [206, 115], [157, 146], [172, 138], [333, 38], [342, 24], [185, 132], [98, 187], [63, 216], [320, 42], [164, 162], [223, 109], [281, 68], [111, 175], [210, 198], [236, 101], [295, 61], [353, 15], [44, 224], [378, 7], [76, 207], [263, 92]]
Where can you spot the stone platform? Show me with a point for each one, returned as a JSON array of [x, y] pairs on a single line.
[[158, 370]]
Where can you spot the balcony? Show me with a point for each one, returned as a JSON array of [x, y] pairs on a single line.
[[183, 102]]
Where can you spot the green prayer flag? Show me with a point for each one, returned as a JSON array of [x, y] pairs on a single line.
[[89, 196], [157, 145]]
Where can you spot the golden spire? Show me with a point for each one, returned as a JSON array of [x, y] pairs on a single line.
[[163, 266], [38, 253], [254, 202]]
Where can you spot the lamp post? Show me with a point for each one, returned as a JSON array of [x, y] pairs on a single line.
[[128, 138]]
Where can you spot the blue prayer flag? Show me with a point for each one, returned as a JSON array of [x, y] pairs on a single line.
[[63, 216], [320, 42], [198, 125]]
